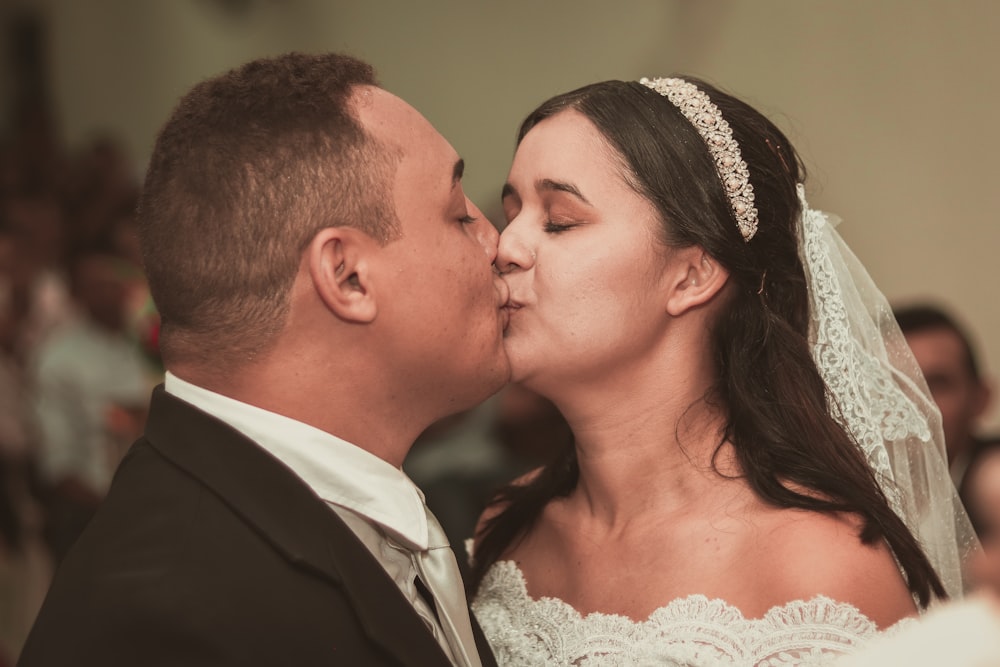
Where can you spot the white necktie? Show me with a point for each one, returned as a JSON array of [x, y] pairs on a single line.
[[438, 569]]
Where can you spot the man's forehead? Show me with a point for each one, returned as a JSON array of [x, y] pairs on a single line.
[[382, 112], [390, 120]]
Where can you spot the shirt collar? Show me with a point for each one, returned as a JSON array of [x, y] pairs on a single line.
[[339, 472]]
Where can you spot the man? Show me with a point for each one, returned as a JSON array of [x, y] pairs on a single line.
[[946, 358], [327, 292]]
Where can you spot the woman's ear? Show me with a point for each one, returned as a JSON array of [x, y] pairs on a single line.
[[340, 272], [695, 278]]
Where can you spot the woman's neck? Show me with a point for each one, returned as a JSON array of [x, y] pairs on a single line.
[[649, 447]]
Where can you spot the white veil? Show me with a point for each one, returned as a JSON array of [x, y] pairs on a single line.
[[880, 396]]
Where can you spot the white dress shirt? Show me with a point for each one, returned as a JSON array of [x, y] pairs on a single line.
[[379, 503]]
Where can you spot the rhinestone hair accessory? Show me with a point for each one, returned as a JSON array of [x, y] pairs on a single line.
[[706, 118]]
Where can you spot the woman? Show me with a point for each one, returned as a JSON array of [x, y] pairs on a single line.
[[728, 499]]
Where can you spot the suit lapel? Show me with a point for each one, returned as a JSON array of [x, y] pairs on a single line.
[[265, 494]]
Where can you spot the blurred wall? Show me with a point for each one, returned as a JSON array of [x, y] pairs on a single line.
[[891, 103]]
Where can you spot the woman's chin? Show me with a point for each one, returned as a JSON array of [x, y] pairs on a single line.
[[518, 372]]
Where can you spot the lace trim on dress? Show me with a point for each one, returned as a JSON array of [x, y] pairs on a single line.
[[693, 631]]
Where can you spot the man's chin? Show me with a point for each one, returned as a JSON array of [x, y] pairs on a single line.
[[492, 382], [501, 377]]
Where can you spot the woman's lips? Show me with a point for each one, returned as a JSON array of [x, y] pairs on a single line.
[[508, 309]]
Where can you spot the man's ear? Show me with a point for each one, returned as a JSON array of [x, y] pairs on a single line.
[[338, 259], [695, 277]]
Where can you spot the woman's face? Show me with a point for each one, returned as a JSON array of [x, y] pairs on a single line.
[[581, 258]]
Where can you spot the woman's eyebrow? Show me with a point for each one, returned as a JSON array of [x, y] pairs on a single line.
[[547, 184], [560, 186]]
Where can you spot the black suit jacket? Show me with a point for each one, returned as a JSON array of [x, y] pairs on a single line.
[[209, 551]]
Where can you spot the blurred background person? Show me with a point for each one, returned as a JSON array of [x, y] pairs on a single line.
[[24, 563], [947, 358], [981, 494], [91, 386], [37, 222]]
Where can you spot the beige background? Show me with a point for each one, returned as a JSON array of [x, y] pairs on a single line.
[[892, 103]]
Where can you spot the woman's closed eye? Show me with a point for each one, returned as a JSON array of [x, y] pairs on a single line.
[[553, 227]]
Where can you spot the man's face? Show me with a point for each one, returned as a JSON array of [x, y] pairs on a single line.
[[960, 397], [439, 299]]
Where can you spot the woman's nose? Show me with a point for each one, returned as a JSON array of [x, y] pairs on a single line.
[[514, 251]]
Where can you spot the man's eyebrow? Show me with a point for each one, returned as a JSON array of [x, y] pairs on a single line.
[[559, 186], [456, 174], [507, 191]]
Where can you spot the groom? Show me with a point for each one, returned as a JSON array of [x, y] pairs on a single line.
[[327, 292]]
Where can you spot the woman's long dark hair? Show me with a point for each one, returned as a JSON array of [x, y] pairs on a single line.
[[778, 417]]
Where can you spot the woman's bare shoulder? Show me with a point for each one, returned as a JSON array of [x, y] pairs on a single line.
[[822, 554]]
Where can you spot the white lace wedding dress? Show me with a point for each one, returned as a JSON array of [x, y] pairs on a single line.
[[692, 631]]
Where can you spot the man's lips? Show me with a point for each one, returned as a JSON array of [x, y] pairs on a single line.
[[503, 292], [508, 309], [511, 305]]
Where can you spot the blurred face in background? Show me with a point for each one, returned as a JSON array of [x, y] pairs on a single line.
[[101, 290], [960, 396]]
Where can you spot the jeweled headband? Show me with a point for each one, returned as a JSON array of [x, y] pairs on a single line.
[[718, 136]]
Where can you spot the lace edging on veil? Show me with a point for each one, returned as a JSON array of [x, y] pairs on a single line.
[[880, 396]]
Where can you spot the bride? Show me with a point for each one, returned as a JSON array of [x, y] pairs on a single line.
[[755, 477]]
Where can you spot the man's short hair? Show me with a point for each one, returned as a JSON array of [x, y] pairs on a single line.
[[248, 168], [922, 317]]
